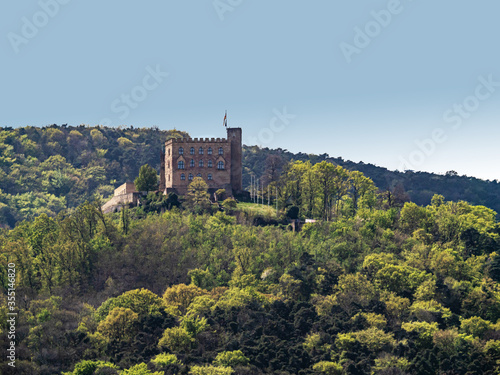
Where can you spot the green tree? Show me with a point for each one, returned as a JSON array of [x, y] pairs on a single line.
[[119, 324], [147, 180], [176, 339], [328, 368], [197, 198], [211, 370], [231, 359], [89, 367], [140, 369], [359, 187]]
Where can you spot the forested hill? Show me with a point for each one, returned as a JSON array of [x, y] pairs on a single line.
[[49, 169], [420, 187]]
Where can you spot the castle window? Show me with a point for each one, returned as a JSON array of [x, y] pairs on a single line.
[[220, 165], [168, 165], [191, 163], [200, 163], [168, 177], [200, 151], [198, 175], [190, 177], [210, 176], [180, 165], [221, 151], [210, 164], [209, 152], [168, 152], [181, 151], [183, 177], [191, 151]]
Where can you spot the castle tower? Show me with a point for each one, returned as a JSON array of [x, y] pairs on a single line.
[[234, 137], [162, 170]]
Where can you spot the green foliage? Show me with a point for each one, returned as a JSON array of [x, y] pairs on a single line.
[[231, 359], [424, 330], [211, 370], [377, 287], [200, 305], [164, 360], [176, 339], [328, 368], [140, 301], [90, 367], [119, 324], [421, 310], [194, 325], [54, 169], [202, 278], [197, 198], [147, 179], [390, 362], [398, 279], [373, 338], [235, 298], [140, 369], [229, 205], [182, 295], [475, 326]]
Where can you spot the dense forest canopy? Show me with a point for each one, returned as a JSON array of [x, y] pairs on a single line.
[[56, 168], [378, 284]]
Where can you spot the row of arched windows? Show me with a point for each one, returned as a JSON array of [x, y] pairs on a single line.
[[190, 176], [200, 151], [181, 165]]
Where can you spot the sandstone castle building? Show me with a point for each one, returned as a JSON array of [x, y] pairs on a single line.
[[216, 160]]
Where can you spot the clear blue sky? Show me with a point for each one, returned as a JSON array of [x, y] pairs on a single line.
[[362, 80]]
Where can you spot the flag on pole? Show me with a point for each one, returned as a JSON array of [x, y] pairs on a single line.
[[225, 120]]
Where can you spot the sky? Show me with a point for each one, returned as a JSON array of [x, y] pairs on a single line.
[[402, 84]]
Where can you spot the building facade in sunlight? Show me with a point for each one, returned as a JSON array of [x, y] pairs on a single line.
[[216, 160]]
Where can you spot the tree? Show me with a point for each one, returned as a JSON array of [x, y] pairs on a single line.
[[119, 324], [220, 194], [147, 180], [231, 359], [197, 198], [274, 165], [359, 187], [89, 367], [140, 301], [211, 370], [176, 339], [140, 369], [329, 368]]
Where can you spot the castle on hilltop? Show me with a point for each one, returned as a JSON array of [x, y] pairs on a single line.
[[216, 160]]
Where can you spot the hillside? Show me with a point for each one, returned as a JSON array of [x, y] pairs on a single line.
[[55, 168], [375, 285], [420, 186], [379, 290]]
